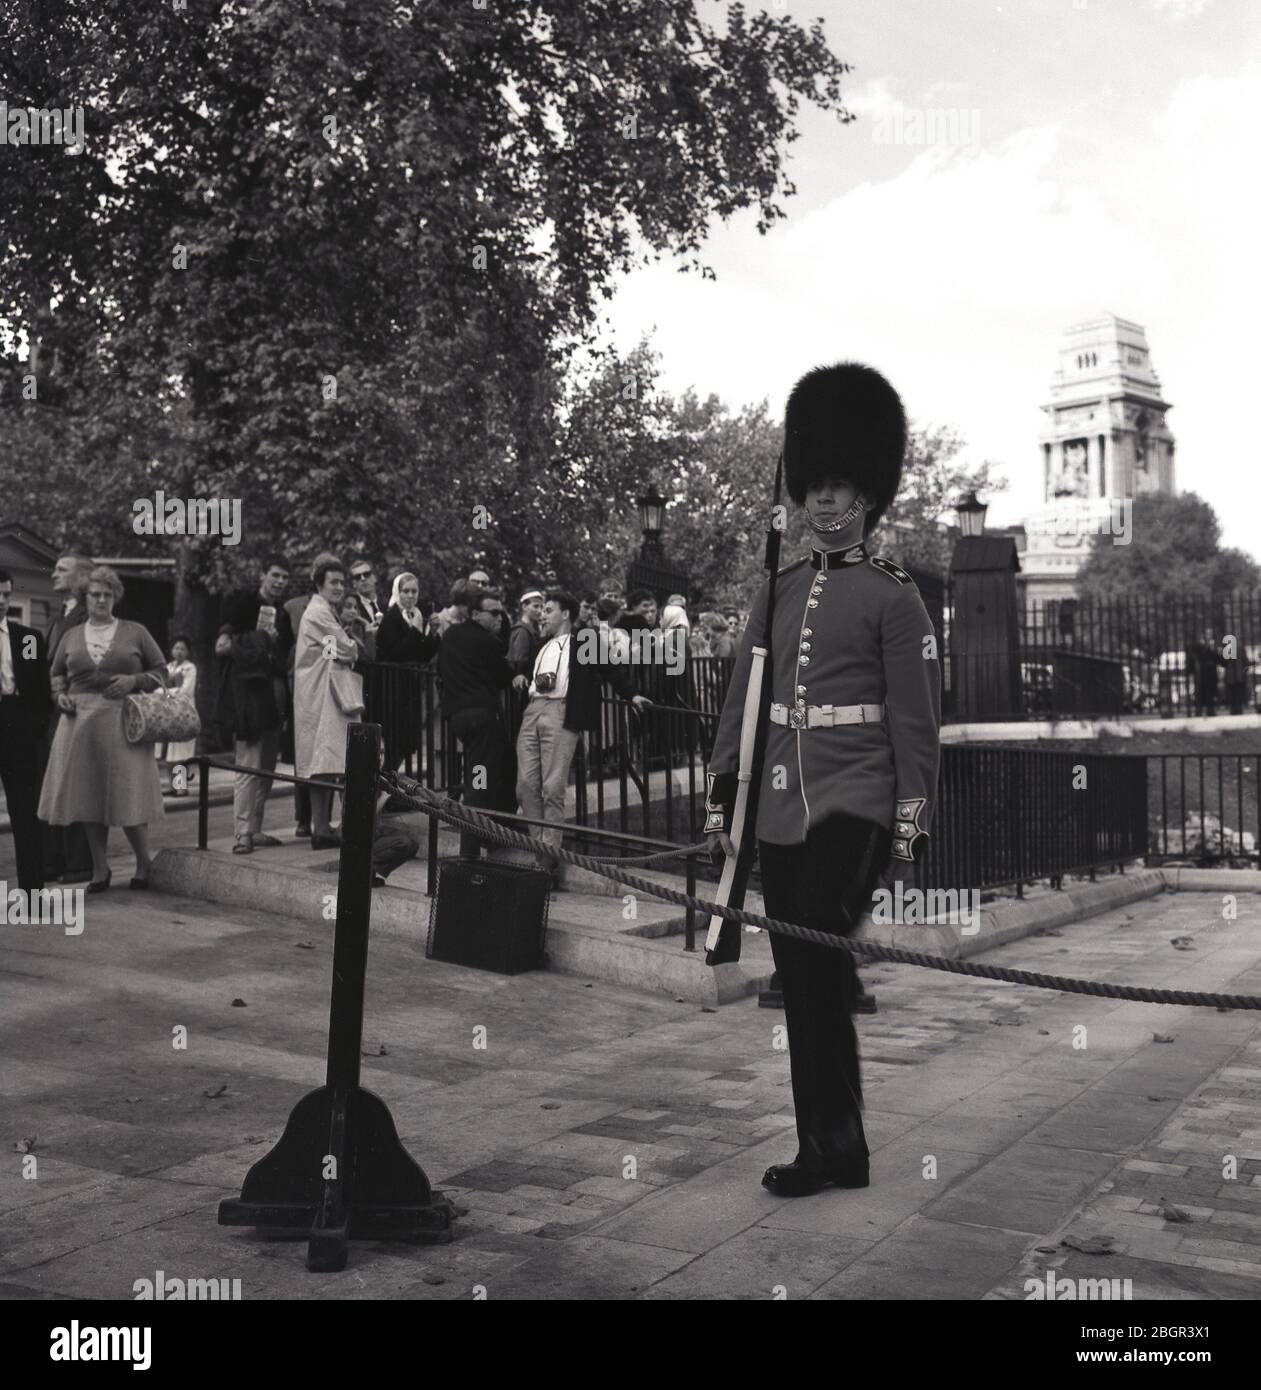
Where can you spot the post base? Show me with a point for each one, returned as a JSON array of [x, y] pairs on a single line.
[[341, 1173]]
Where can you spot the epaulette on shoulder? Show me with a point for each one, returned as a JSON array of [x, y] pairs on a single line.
[[795, 564], [892, 570]]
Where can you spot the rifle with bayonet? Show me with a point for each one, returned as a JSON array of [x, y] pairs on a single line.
[[723, 942]]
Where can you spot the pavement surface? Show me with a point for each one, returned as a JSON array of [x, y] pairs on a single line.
[[601, 1143]]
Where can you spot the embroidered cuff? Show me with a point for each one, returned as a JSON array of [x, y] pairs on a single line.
[[720, 801], [907, 831]]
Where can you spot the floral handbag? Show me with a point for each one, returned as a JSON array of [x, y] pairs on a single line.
[[160, 716]]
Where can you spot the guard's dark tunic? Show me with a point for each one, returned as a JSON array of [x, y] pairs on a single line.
[[849, 630], [835, 802]]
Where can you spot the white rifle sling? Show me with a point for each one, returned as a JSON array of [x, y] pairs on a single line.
[[748, 736]]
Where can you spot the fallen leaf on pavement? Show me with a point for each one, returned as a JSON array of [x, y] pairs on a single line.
[[1162, 1037], [305, 945], [1090, 1245], [550, 1105], [212, 1091]]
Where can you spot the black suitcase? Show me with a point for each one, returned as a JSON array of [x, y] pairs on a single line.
[[491, 916]]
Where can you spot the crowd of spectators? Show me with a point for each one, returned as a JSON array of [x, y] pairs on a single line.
[[291, 671]]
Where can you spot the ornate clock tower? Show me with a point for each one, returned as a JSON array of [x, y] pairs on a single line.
[[1104, 442]]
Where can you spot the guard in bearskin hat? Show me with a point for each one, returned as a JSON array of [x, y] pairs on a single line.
[[849, 746]]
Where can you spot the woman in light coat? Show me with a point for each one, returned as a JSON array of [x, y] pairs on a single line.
[[327, 695]]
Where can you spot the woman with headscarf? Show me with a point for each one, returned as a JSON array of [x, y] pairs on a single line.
[[404, 639], [675, 631]]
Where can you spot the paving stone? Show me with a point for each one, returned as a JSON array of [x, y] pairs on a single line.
[[1032, 1139], [761, 1263], [1030, 1187], [924, 1259]]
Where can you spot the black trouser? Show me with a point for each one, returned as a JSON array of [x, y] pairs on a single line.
[[838, 865], [1206, 695], [392, 845], [20, 777], [485, 745]]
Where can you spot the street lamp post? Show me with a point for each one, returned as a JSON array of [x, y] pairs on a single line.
[[971, 515], [652, 515], [652, 569]]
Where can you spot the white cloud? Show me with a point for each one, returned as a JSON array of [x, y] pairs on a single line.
[[958, 276], [1180, 9]]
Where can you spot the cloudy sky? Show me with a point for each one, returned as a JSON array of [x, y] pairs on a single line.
[[1104, 161]]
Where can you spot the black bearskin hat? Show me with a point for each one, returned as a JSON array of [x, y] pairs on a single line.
[[845, 421]]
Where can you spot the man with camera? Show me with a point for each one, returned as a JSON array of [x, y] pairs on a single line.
[[564, 701]]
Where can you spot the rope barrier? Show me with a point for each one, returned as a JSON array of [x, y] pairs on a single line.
[[469, 819]]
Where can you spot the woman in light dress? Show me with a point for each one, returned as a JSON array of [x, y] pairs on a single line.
[[95, 777], [181, 675]]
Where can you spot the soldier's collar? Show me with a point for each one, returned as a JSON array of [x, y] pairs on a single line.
[[835, 559]]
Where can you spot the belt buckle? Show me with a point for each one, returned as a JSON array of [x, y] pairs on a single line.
[[797, 717]]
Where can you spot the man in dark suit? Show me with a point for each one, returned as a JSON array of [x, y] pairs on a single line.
[[473, 669], [25, 696], [65, 847], [364, 582], [254, 641]]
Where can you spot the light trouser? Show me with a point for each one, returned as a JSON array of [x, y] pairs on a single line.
[[249, 794], [545, 749]]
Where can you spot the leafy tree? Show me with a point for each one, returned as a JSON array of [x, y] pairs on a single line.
[[1174, 554], [332, 258]]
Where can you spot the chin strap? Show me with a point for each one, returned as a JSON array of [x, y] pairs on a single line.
[[850, 514]]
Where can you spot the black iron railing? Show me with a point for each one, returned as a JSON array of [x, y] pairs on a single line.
[[1120, 656], [1004, 816], [1205, 808]]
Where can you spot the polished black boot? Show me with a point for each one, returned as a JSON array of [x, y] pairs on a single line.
[[796, 1180]]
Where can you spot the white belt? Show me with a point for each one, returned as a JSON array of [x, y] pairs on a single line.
[[826, 716]]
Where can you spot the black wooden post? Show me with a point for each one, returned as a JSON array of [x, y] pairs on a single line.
[[431, 880], [203, 802], [339, 1169]]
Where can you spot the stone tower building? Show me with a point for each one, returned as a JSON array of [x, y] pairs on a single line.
[[1104, 441], [1105, 433]]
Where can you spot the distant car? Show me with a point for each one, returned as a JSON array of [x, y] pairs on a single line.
[[1036, 678], [1171, 670], [1136, 697]]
